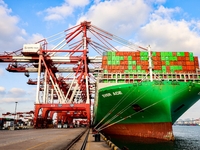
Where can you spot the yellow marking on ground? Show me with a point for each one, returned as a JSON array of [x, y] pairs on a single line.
[[44, 142], [88, 143]]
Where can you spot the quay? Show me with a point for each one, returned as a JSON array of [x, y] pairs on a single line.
[[48, 139]]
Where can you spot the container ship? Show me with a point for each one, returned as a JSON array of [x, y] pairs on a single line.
[[143, 93]]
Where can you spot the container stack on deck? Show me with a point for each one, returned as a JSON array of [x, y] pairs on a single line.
[[137, 62]]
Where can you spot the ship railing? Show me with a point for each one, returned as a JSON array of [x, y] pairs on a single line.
[[139, 77]]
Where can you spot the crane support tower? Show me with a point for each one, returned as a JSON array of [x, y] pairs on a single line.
[[66, 74]]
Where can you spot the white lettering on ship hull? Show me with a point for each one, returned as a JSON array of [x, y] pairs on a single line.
[[112, 94], [117, 93]]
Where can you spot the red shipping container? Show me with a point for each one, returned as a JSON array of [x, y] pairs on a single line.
[[180, 58], [184, 68], [125, 57], [121, 71], [109, 67], [196, 63], [159, 63], [188, 63], [187, 54], [196, 67], [121, 63], [113, 67], [180, 63], [174, 53], [156, 58], [125, 63], [105, 67], [138, 62], [133, 54], [153, 58], [168, 67], [163, 63], [157, 67], [183, 63], [134, 58], [137, 58], [190, 68], [105, 58], [138, 54], [117, 53], [158, 54], [175, 63], [121, 53], [126, 67], [191, 63], [121, 67], [145, 67], [114, 71], [104, 62], [134, 67], [146, 62], [187, 58], [196, 58]]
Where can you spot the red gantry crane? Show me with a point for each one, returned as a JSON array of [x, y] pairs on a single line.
[[66, 74]]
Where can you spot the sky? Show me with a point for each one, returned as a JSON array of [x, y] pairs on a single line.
[[166, 25]]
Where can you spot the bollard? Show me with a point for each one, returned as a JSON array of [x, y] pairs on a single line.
[[97, 137]]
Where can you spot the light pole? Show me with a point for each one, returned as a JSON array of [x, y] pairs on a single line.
[[15, 115]]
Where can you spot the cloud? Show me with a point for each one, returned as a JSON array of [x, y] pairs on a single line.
[[11, 100], [16, 95], [118, 16], [12, 37], [16, 92], [1, 72], [10, 33], [58, 13], [166, 13], [35, 38], [2, 91], [166, 34], [80, 3], [62, 12]]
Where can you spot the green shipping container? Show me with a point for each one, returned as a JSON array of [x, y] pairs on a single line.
[[170, 54], [180, 54], [105, 71], [153, 54], [138, 67], [117, 62], [113, 53], [142, 54], [143, 58], [163, 67], [191, 58], [134, 63], [130, 67], [168, 62], [129, 57], [109, 53], [109, 57], [121, 58], [109, 62]]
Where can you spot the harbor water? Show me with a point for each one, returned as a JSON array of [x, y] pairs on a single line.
[[186, 138]]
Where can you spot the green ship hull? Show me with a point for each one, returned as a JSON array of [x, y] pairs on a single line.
[[145, 109]]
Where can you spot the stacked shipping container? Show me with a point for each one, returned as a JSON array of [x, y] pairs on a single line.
[[138, 62]]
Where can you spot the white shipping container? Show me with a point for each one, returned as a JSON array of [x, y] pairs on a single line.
[[31, 48]]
